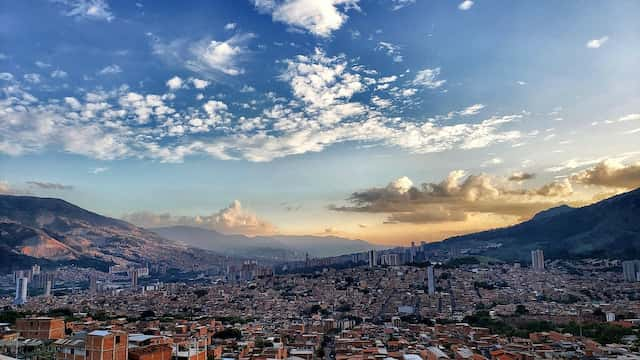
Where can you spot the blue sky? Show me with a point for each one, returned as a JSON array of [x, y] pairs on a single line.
[[389, 120]]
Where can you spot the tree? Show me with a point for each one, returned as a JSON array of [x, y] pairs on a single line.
[[521, 310]]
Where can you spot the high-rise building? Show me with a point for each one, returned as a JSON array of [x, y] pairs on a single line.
[[431, 281], [134, 278], [93, 284], [390, 259], [537, 260], [631, 270], [21, 290], [47, 288], [373, 260]]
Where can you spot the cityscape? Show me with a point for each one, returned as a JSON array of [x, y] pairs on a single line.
[[319, 179]]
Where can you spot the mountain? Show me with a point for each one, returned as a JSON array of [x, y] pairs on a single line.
[[46, 231], [609, 228], [278, 247]]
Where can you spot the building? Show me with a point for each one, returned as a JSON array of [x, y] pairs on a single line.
[[43, 328], [106, 345], [151, 352], [537, 260], [390, 259], [22, 283], [373, 260], [93, 284], [134, 279], [631, 270], [431, 281], [47, 288], [72, 348]]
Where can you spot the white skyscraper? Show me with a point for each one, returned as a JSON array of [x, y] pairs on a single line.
[[21, 291], [431, 281], [537, 260]]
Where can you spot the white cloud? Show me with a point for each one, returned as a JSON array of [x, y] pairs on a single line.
[[630, 117], [207, 57], [319, 17], [98, 170], [492, 162], [399, 4], [199, 83], [597, 43], [6, 76], [230, 26], [234, 219], [174, 83], [58, 74], [247, 89], [428, 78], [391, 50], [110, 70], [32, 78], [465, 5], [87, 9], [472, 110]]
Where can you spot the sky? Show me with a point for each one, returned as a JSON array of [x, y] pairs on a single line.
[[385, 120]]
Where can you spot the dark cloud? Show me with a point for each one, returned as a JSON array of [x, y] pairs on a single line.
[[521, 176], [49, 186]]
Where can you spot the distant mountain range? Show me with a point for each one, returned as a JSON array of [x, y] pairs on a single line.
[[278, 247], [609, 228], [52, 231], [46, 231]]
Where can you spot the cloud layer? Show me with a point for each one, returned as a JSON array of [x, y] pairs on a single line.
[[234, 219], [455, 198]]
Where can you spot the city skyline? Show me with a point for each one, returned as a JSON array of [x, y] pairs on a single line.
[[389, 121]]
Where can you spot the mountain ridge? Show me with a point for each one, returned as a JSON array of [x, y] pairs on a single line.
[[280, 246], [34, 229], [608, 228]]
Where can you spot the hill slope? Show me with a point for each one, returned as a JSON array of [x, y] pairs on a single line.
[[49, 230], [609, 228]]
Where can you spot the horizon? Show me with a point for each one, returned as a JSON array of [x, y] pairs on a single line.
[[323, 118]]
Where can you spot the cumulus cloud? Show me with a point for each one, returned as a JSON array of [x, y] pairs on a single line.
[[58, 74], [199, 83], [174, 83], [610, 173], [87, 9], [455, 199], [49, 185], [597, 43], [319, 17], [32, 78], [98, 170], [399, 4], [328, 105], [110, 70], [428, 78], [234, 219], [465, 5], [207, 57], [5, 188], [629, 117], [471, 110], [391, 50]]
